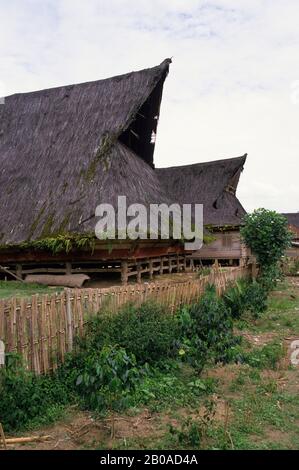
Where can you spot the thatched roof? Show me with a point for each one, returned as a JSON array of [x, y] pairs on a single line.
[[212, 184], [65, 150], [293, 218]]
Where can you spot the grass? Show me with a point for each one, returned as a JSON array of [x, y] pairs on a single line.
[[21, 289]]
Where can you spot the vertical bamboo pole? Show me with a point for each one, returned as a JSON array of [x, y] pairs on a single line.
[[69, 318]]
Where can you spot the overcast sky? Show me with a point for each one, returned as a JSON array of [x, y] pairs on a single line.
[[233, 87]]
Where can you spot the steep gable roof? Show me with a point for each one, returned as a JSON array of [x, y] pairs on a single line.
[[212, 184], [60, 152], [293, 218]]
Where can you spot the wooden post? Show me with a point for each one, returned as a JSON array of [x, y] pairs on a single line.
[[139, 269], [2, 435], [169, 265], [161, 265], [185, 264], [19, 271], [124, 272], [2, 354], [69, 321], [151, 270], [68, 268]]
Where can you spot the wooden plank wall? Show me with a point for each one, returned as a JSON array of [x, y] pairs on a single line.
[[41, 328]]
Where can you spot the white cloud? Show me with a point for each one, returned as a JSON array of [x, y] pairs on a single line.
[[229, 87]]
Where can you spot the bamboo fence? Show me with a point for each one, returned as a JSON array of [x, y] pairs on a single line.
[[41, 328]]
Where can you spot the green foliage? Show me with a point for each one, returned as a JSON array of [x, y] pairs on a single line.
[[148, 332], [178, 387], [234, 298], [269, 276], [105, 377], [207, 330], [255, 298], [26, 398], [246, 296], [267, 357], [58, 243], [266, 233]]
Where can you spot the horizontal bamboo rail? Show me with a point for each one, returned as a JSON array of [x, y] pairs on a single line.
[[41, 329]]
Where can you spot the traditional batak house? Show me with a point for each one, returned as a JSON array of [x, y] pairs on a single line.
[[214, 184], [65, 150]]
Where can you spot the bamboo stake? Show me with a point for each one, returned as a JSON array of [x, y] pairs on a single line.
[[69, 321], [22, 440], [2, 435]]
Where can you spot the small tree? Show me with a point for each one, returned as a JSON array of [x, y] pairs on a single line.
[[267, 234]]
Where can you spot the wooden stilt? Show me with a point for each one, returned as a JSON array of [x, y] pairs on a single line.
[[124, 272], [161, 266], [139, 269], [151, 270], [68, 268], [19, 271]]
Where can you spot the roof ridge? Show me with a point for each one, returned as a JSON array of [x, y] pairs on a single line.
[[163, 65], [241, 158]]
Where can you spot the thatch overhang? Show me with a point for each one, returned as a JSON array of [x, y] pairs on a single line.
[[212, 184], [65, 150]]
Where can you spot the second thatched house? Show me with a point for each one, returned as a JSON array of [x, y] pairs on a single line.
[[65, 150], [213, 184]]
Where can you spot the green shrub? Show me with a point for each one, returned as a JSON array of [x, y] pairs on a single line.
[[27, 398], [106, 378], [246, 296], [207, 330], [234, 298], [148, 332], [267, 234], [255, 298]]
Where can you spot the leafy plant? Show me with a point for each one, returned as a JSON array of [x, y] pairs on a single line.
[[255, 298], [207, 330], [267, 234], [27, 398], [149, 332], [234, 298], [106, 377]]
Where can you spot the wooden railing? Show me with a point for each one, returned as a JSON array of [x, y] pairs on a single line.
[[41, 328]]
